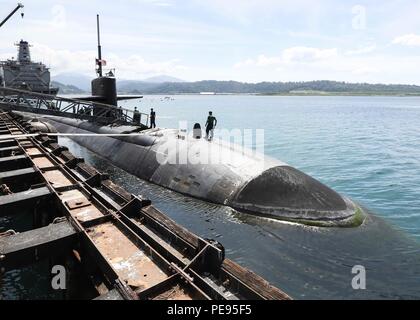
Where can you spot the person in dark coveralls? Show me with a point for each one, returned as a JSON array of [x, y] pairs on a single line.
[[152, 119], [210, 125], [136, 116]]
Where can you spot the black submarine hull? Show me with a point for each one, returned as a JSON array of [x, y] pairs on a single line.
[[250, 183]]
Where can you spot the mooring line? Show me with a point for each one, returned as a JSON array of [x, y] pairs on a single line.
[[32, 135]]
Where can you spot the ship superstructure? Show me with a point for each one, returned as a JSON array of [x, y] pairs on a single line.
[[25, 74]]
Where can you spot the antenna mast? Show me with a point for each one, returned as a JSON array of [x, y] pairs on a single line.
[[99, 48]]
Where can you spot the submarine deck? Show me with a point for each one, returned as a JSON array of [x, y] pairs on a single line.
[[127, 249]]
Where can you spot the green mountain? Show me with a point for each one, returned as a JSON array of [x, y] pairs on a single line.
[[268, 88], [66, 89]]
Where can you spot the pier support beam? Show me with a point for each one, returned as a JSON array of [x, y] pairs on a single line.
[[21, 249], [23, 199]]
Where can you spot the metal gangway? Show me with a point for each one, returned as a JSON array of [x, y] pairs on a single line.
[[38, 103]]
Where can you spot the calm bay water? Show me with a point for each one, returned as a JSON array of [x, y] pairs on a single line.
[[367, 148]]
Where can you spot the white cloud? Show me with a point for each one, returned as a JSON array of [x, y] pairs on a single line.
[[304, 63], [411, 40], [247, 62], [127, 67], [293, 55], [307, 54], [135, 66], [264, 61], [363, 50], [365, 70]]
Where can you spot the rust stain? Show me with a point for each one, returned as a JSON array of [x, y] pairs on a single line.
[[57, 179], [42, 162], [174, 293], [80, 207], [129, 261], [33, 151]]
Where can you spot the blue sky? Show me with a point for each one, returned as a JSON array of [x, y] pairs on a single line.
[[244, 40]]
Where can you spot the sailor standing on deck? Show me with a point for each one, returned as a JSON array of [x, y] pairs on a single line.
[[210, 125], [152, 119], [136, 116]]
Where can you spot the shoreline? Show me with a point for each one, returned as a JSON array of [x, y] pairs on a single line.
[[329, 94]]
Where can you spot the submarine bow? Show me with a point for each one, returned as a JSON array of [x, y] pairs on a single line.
[[290, 194], [248, 182]]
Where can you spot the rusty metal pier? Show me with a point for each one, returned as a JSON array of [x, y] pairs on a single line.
[[124, 247]]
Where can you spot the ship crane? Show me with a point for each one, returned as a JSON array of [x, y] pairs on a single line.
[[19, 6]]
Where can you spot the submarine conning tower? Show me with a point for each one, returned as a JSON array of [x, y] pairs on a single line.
[[106, 88]]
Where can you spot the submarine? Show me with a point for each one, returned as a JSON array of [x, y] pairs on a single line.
[[246, 180], [242, 179]]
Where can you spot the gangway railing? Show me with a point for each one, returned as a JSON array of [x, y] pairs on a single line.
[[27, 101]]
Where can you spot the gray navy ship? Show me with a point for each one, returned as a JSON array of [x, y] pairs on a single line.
[[25, 74]]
